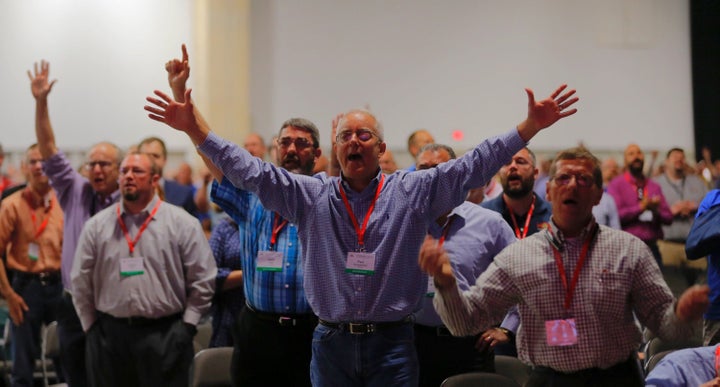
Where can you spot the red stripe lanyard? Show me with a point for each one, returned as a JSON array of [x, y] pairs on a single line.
[[527, 220], [570, 290], [441, 241], [43, 225], [641, 192], [130, 241], [361, 231], [277, 226], [717, 360]]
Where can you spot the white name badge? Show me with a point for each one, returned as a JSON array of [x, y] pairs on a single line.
[[646, 216], [269, 261], [561, 332], [33, 251], [131, 266], [431, 287], [360, 262]]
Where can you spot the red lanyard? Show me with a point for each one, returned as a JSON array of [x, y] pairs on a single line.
[[570, 290], [527, 220], [130, 241], [641, 192], [43, 225], [441, 241], [361, 231], [276, 229], [717, 360]]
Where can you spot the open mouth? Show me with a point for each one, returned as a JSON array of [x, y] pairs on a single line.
[[571, 202], [354, 157], [513, 178]]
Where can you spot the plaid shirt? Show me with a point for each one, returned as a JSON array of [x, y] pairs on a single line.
[[271, 292], [619, 278]]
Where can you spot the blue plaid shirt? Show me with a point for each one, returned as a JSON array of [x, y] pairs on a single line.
[[225, 245], [271, 292], [408, 202]]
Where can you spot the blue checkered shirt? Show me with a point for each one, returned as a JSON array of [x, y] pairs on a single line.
[[272, 292]]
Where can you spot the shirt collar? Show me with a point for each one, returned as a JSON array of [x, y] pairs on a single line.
[[370, 188], [145, 210], [559, 235]]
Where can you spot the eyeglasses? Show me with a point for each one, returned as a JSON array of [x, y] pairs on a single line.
[[363, 135], [103, 164], [581, 180], [300, 142]]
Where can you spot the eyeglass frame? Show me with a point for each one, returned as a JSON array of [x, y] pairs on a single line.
[[304, 142], [582, 180], [354, 133], [104, 164]]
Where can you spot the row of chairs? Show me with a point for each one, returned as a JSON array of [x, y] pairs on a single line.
[[211, 368], [511, 372], [50, 349]]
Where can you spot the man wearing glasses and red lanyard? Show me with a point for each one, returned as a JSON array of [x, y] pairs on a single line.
[[578, 286], [361, 232]]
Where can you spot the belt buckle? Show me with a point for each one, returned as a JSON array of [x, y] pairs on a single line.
[[43, 278], [286, 321], [361, 329]]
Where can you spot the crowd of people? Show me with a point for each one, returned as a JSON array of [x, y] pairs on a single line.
[[343, 269]]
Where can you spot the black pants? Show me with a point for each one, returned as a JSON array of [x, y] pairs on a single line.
[[625, 374], [441, 355], [72, 343], [145, 353], [270, 353]]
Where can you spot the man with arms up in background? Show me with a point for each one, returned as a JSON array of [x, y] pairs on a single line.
[[80, 198], [273, 332]]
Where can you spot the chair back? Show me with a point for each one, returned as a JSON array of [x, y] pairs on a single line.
[[211, 368], [474, 379], [513, 368]]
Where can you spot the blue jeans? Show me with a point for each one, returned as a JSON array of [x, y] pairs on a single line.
[[384, 358], [42, 301]]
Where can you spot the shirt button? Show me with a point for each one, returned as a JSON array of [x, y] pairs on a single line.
[[287, 308], [287, 286], [289, 244], [287, 265]]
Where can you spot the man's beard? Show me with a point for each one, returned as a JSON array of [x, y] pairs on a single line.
[[294, 165], [636, 168], [131, 196], [525, 188]]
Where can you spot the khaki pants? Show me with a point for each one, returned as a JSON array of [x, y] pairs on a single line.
[[673, 255]]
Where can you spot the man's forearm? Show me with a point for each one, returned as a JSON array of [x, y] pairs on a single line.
[[43, 129]]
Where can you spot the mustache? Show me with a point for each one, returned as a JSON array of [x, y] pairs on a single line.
[[291, 159]]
